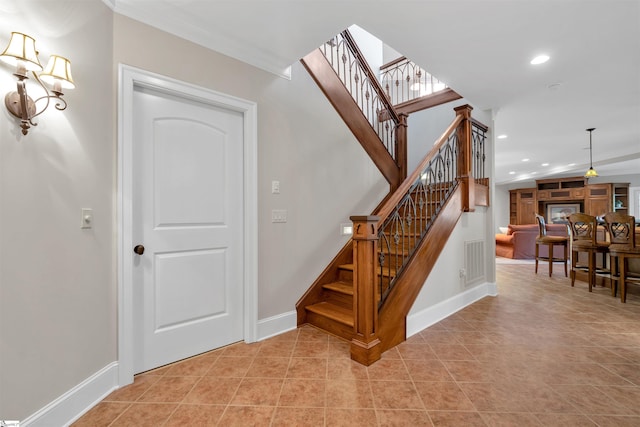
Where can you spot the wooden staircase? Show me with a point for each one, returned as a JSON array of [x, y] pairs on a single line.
[[366, 292], [334, 310]]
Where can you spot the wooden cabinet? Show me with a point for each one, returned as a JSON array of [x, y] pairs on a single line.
[[513, 207], [621, 198], [593, 199], [603, 198], [561, 189], [525, 207], [598, 200]]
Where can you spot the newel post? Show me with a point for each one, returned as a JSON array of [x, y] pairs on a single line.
[[465, 175], [365, 345], [401, 147]]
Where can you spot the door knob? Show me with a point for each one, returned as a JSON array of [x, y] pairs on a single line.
[[139, 249]]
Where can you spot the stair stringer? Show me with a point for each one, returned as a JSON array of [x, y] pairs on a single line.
[[335, 91], [392, 318]]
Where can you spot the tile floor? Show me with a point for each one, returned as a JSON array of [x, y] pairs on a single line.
[[539, 354]]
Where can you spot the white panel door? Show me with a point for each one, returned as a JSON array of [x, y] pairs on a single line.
[[188, 215]]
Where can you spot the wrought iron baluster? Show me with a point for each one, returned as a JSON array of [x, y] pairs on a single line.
[[369, 95], [409, 222]]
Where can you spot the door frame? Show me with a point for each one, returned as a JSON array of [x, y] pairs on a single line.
[[128, 79]]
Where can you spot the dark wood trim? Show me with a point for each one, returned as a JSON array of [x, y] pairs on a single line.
[[401, 147], [392, 63], [481, 195], [365, 345], [479, 124], [428, 101], [465, 174], [335, 91]]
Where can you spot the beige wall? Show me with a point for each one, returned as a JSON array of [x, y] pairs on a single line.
[[58, 312], [58, 289], [57, 282]]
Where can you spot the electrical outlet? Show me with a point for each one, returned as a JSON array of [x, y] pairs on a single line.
[[279, 215], [463, 272]]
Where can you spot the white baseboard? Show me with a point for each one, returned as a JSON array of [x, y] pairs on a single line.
[[416, 322], [75, 402], [275, 325]]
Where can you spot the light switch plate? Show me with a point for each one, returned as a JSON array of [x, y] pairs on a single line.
[[87, 218], [275, 187]]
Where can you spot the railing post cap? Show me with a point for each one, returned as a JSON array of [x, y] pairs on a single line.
[[461, 108], [365, 227], [364, 218]]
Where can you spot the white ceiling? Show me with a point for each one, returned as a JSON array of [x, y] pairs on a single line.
[[480, 48]]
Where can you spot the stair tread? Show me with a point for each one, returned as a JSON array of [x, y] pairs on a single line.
[[341, 287], [385, 269], [331, 311]]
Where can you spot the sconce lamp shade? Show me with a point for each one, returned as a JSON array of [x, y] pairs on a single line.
[[58, 71], [22, 48]]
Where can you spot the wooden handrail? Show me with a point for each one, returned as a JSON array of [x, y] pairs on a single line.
[[479, 124], [392, 63], [373, 79]]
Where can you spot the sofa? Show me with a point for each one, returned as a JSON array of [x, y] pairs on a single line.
[[519, 241]]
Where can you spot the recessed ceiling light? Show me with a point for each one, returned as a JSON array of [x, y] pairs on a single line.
[[525, 160], [540, 59], [512, 172], [503, 136], [545, 164]]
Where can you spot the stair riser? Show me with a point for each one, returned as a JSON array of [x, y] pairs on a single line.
[[348, 275], [339, 299], [345, 275], [336, 328]]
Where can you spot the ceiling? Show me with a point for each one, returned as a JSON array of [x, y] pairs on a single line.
[[480, 48]]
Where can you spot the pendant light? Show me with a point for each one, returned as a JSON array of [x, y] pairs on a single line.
[[591, 173]]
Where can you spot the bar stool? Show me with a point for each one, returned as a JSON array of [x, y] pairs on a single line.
[[583, 234], [623, 255], [551, 242], [622, 236]]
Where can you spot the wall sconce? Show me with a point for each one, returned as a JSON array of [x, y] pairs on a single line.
[[21, 53]]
